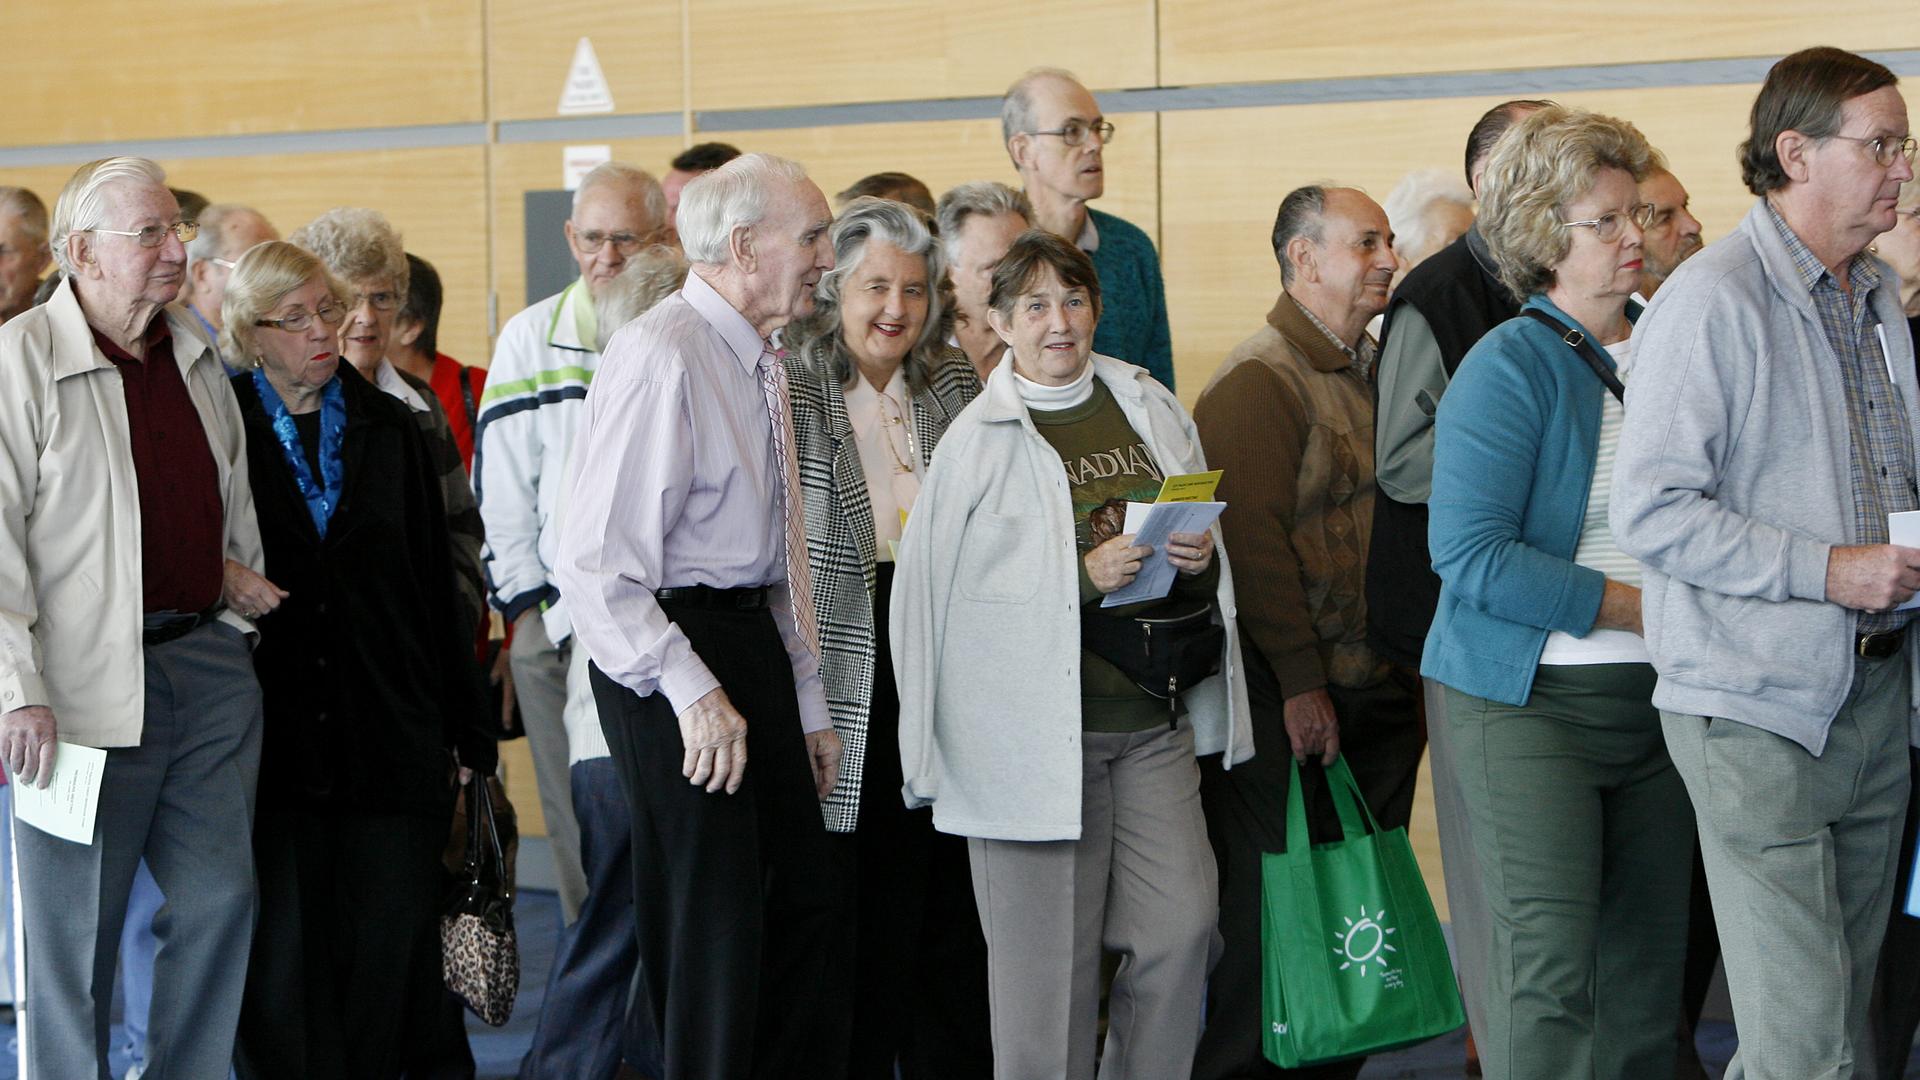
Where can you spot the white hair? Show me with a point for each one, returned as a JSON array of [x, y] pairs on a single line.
[[649, 277], [211, 243], [83, 203], [620, 174], [986, 198], [1409, 206], [733, 196]]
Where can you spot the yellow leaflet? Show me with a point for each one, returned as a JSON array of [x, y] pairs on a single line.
[[1193, 487]]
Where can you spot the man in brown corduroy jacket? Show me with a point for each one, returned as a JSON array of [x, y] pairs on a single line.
[[1289, 418]]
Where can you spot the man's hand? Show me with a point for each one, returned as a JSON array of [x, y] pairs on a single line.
[[1190, 553], [502, 677], [1872, 577], [27, 743], [1312, 726], [1620, 609], [247, 592], [823, 753], [1113, 564], [715, 735]]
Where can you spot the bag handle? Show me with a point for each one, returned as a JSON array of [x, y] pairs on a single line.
[[1356, 819], [1588, 351]]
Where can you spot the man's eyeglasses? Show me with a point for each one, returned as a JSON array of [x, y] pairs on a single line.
[[1606, 228], [1884, 147], [626, 243], [1075, 132], [154, 235], [329, 314]]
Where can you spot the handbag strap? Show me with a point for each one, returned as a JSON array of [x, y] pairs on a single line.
[[1355, 819], [492, 832], [1588, 351]]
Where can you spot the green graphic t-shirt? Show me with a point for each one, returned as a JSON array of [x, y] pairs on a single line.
[[1108, 465]]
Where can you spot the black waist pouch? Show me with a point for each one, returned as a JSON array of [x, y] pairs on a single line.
[[1165, 652]]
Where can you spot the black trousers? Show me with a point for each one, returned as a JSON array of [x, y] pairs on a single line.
[[1382, 737], [346, 955], [737, 898], [920, 960], [1895, 1011]]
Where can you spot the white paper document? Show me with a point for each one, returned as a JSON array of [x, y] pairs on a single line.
[[1151, 524], [1903, 529], [65, 807]]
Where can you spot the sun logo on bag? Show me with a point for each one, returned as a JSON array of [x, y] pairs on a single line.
[[1364, 942]]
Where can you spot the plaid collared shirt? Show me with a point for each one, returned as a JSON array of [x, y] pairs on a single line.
[[1881, 460], [1362, 357]]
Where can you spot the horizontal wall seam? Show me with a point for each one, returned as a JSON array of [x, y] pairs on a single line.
[[1531, 82]]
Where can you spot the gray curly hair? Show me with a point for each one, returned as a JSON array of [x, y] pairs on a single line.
[[818, 340], [356, 244]]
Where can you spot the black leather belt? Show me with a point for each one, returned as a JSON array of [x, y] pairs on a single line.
[[163, 627], [1879, 646], [706, 596]]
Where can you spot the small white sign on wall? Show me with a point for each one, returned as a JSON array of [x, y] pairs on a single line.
[[586, 89], [577, 161]]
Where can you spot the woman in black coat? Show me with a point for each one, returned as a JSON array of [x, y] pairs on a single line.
[[371, 703]]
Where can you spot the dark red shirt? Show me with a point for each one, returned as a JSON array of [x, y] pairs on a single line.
[[182, 521]]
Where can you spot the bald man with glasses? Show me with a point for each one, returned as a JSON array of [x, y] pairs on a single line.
[[536, 387]]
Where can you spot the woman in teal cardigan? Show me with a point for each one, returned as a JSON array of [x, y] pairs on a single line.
[[1582, 832]]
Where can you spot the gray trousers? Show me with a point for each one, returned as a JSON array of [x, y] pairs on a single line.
[[1584, 846], [183, 798], [540, 687], [1467, 911], [1800, 854], [1138, 883]]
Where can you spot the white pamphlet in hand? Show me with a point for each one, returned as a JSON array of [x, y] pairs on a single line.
[[65, 807], [1151, 524], [1903, 529]]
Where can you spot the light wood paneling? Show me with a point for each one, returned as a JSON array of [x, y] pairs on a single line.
[[522, 167], [531, 44], [122, 69], [767, 53], [436, 198], [1224, 173], [1218, 41]]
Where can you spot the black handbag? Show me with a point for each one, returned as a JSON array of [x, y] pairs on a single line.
[[1165, 652], [479, 953]]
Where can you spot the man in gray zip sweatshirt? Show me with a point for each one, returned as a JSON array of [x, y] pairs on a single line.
[[1770, 430]]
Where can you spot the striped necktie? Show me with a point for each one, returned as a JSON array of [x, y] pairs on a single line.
[[773, 383]]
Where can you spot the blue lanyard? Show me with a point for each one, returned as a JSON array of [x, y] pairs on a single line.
[[323, 497]]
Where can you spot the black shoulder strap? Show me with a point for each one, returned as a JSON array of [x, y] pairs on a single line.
[[466, 398], [1588, 351]]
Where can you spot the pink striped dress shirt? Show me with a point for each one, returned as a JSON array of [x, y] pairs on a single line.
[[675, 483]]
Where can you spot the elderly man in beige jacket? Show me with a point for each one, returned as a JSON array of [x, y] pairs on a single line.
[[128, 579]]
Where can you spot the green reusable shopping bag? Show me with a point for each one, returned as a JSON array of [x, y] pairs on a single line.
[[1353, 961]]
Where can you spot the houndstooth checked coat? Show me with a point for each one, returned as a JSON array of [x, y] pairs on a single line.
[[841, 546]]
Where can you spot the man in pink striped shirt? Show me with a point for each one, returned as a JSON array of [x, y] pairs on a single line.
[[678, 553]]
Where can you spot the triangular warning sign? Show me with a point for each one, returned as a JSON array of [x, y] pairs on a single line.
[[586, 90]]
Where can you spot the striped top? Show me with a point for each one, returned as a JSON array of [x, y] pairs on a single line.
[[1597, 550]]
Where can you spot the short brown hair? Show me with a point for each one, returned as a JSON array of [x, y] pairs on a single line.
[[1036, 250], [1805, 93]]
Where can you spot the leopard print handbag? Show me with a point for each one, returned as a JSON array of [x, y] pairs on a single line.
[[480, 956]]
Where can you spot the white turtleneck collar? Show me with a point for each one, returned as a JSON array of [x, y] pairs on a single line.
[[1043, 398]]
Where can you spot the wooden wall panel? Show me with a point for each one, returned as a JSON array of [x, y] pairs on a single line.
[[522, 167], [767, 53], [1221, 41], [436, 198], [123, 69], [531, 44], [1224, 173]]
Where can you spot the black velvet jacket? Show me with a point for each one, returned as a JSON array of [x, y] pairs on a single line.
[[369, 682]]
